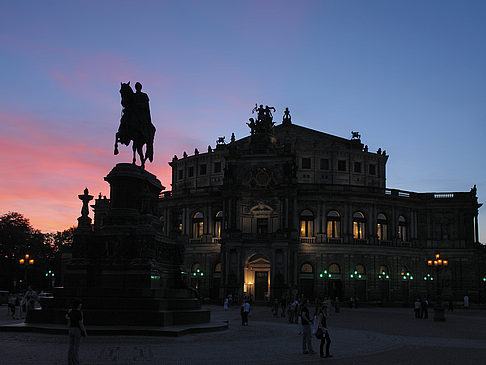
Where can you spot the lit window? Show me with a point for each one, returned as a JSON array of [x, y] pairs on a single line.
[[217, 267], [359, 224], [197, 225], [306, 223], [402, 228], [334, 269], [218, 224], [381, 227], [333, 224], [307, 268]]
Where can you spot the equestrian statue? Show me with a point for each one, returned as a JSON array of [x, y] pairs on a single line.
[[136, 124]]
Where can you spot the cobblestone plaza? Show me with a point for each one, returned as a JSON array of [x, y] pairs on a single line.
[[359, 336]]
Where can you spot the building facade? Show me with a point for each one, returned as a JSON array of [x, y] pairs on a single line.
[[293, 211]]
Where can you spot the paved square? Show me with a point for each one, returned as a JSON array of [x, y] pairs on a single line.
[[359, 336]]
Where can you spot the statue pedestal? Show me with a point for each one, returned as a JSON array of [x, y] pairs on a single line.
[[125, 271]]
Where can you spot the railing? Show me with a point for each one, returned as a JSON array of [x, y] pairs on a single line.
[[443, 195], [334, 240], [307, 239], [216, 240], [195, 240]]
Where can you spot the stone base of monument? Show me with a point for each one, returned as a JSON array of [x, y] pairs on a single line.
[[123, 307], [125, 272]]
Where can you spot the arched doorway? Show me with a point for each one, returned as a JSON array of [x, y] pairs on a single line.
[[257, 278]]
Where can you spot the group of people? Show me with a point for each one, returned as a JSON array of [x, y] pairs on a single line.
[[317, 326], [20, 303], [421, 308]]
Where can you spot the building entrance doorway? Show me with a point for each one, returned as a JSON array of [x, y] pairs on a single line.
[[261, 285], [257, 278]]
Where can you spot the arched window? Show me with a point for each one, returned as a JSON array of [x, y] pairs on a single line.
[[307, 268], [381, 227], [197, 225], [217, 267], [306, 223], [360, 269], [359, 224], [195, 267], [402, 228], [333, 224], [218, 224], [384, 273], [334, 269]]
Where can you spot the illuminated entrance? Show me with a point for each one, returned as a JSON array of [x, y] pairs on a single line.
[[257, 277]]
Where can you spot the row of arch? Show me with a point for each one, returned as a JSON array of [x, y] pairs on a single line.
[[333, 227], [359, 269]]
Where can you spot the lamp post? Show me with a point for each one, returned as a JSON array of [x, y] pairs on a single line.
[[26, 261], [197, 275], [438, 264], [326, 275], [406, 278]]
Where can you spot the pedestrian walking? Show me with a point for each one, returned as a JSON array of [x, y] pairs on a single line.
[[322, 333], [424, 309], [225, 305], [306, 328], [466, 302], [416, 308], [11, 305], [245, 311], [336, 305], [74, 317]]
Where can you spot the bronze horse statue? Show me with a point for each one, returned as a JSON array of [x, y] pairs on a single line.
[[135, 124]]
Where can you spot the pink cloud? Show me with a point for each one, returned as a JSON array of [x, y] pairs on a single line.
[[44, 171]]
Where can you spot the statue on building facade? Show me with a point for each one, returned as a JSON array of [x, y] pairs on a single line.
[[287, 118], [264, 122], [136, 124]]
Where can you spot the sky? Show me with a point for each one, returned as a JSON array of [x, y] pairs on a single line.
[[410, 76]]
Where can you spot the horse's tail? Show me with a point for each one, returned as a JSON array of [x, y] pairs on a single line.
[[116, 144]]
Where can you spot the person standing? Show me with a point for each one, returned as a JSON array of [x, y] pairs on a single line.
[[246, 312], [76, 330], [323, 333], [306, 329], [417, 306], [424, 310], [11, 305], [466, 302]]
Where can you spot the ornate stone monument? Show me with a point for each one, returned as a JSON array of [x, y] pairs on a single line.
[[122, 268]]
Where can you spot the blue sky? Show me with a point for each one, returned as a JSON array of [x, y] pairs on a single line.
[[410, 76]]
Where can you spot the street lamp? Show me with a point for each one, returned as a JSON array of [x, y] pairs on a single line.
[[26, 260], [50, 275], [438, 264], [197, 275]]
